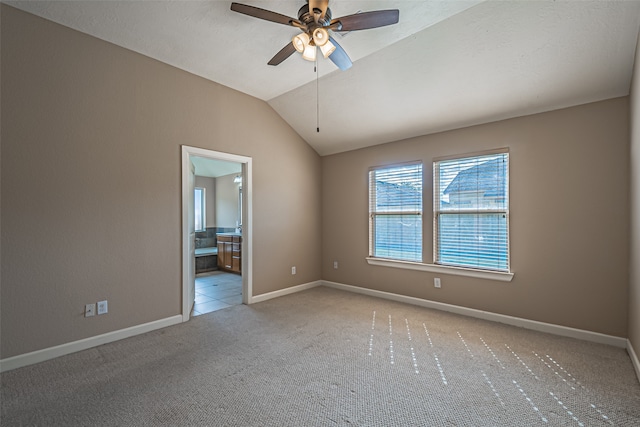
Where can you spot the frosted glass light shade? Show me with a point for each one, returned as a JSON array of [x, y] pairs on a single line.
[[320, 36], [327, 49], [309, 53], [300, 42]]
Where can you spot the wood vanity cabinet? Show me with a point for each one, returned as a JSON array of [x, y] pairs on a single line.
[[230, 252]]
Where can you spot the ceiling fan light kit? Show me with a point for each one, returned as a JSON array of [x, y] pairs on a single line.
[[320, 36], [327, 49], [300, 42], [309, 53], [314, 20]]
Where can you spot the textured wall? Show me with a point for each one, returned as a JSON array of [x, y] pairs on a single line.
[[569, 219], [634, 282], [91, 137]]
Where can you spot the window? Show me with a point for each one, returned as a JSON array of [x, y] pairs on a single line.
[[395, 212], [199, 209], [471, 211], [240, 206]]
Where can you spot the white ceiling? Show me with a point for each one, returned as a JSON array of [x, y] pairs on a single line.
[[446, 64]]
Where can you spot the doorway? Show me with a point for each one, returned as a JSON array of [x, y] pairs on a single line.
[[201, 169]]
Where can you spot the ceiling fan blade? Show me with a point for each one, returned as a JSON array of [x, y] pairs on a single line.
[[284, 53], [339, 56], [320, 5], [267, 15], [366, 20]]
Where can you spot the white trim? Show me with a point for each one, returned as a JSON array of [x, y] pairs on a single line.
[[286, 291], [83, 344], [442, 269], [187, 170], [247, 223], [247, 231], [634, 358], [486, 315]]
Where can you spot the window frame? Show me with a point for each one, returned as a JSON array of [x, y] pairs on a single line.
[[500, 276], [203, 208], [478, 211], [374, 214]]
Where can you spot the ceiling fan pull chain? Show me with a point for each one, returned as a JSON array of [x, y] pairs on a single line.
[[315, 68]]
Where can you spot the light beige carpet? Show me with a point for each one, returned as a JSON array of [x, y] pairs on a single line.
[[325, 357]]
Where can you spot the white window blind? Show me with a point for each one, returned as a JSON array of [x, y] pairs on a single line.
[[471, 212], [395, 212]]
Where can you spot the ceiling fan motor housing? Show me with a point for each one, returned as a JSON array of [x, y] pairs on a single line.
[[309, 20]]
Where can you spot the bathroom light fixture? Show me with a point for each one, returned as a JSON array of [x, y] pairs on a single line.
[[237, 179]]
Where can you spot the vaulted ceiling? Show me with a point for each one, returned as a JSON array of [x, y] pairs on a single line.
[[446, 64]]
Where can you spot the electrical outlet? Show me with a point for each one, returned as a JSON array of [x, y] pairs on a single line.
[[436, 282], [89, 310], [293, 270], [102, 307], [335, 264]]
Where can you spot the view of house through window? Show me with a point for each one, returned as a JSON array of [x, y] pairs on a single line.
[[199, 205], [471, 212], [395, 212]]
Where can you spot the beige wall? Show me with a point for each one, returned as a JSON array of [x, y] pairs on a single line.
[[634, 283], [91, 203], [209, 185], [569, 228], [227, 193]]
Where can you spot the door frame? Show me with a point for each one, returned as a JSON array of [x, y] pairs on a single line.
[[247, 221]]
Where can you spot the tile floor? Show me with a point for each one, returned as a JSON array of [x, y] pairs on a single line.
[[216, 290]]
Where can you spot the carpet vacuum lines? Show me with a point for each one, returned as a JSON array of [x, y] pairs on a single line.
[[322, 357], [540, 385]]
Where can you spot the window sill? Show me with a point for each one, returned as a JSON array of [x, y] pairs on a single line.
[[433, 268]]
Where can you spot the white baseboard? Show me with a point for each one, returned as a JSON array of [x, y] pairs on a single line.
[[83, 344], [72, 347], [634, 358], [486, 315], [285, 291]]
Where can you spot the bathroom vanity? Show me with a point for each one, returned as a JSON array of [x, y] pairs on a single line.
[[230, 252]]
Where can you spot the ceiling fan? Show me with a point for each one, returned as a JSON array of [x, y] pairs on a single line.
[[315, 21]]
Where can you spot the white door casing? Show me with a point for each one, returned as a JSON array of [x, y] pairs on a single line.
[[188, 240], [191, 294]]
